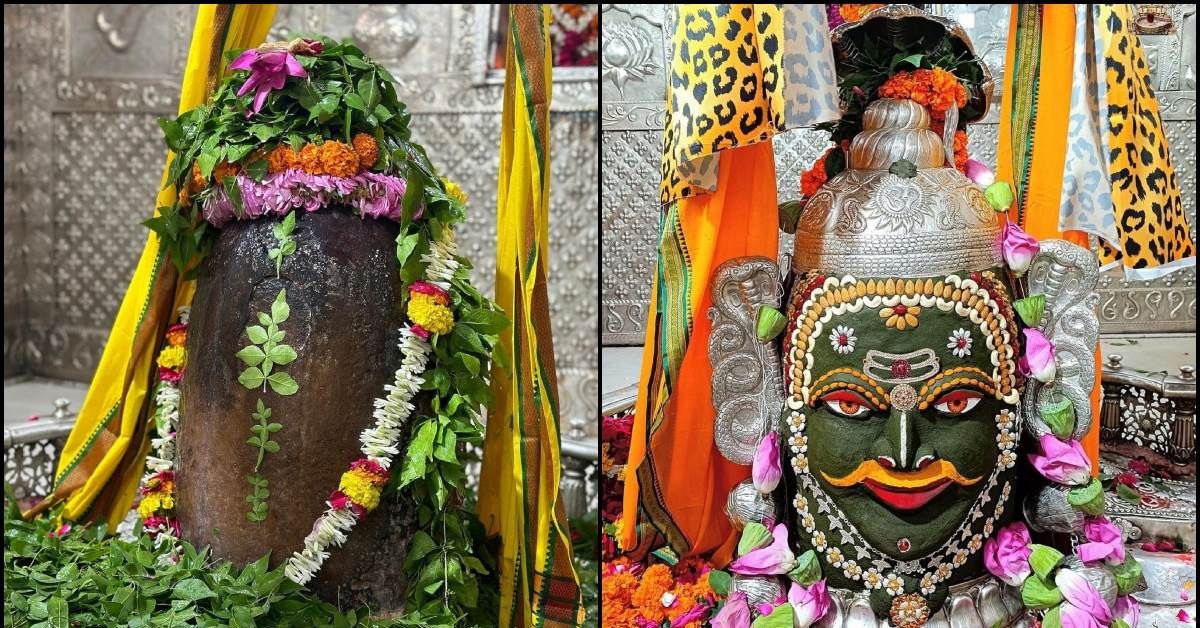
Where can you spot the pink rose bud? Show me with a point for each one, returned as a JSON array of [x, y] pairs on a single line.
[[1018, 248], [1038, 360], [809, 604], [766, 469], [1062, 462], [1006, 555], [980, 174]]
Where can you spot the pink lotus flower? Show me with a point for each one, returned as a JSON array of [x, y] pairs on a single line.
[[697, 613], [809, 604], [772, 560], [735, 613], [60, 532], [980, 174], [766, 470], [1127, 609], [1062, 462], [1038, 360], [1083, 605], [269, 70], [1105, 542], [1006, 555], [1018, 247]]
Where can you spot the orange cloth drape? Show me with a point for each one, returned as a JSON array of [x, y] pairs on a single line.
[[693, 476], [1040, 198]]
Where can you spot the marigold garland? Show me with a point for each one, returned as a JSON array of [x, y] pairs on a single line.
[[634, 595], [934, 89], [367, 150]]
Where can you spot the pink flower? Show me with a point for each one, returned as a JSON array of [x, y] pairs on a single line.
[[340, 501], [1006, 555], [1128, 479], [1018, 247], [32, 417], [1083, 605], [420, 332], [697, 613], [171, 376], [1183, 616], [424, 287], [1105, 542], [980, 174], [809, 603], [1127, 609], [60, 532], [1062, 462], [1038, 361], [766, 470], [735, 614], [774, 559], [1139, 466], [268, 72]]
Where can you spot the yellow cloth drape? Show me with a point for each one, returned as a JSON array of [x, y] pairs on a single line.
[[104, 457], [518, 494]]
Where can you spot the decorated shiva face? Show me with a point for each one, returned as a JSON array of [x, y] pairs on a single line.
[[901, 426]]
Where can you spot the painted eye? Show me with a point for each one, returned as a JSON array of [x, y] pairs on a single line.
[[847, 404], [957, 402]]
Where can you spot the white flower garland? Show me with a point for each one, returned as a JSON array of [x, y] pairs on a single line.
[[380, 442]]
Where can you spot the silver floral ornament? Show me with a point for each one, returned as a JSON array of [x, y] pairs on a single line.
[[758, 589], [746, 505]]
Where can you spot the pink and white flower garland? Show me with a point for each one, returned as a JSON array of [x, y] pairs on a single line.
[[372, 193], [380, 442]]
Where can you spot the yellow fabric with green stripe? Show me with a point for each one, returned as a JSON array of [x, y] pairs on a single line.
[[104, 456], [518, 494]]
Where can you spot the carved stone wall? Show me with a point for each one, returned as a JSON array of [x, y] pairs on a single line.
[[635, 53], [83, 85]]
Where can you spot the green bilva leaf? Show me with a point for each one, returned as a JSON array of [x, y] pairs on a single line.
[[1059, 414], [789, 215], [369, 90], [280, 309], [254, 441], [1128, 494], [405, 246], [781, 617], [1128, 575], [192, 589], [1039, 594], [274, 427], [207, 161], [252, 355], [289, 247], [172, 131], [282, 354], [1088, 499], [1030, 309], [1043, 559], [251, 377], [754, 536], [277, 336], [719, 581], [354, 101], [257, 334], [470, 362], [808, 569], [289, 224], [422, 544], [447, 447], [913, 60], [419, 450], [271, 446], [283, 384], [485, 321], [1053, 618], [770, 323], [265, 320]]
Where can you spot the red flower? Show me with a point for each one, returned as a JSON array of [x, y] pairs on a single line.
[[340, 501], [171, 376], [1128, 479], [1166, 545], [1139, 466]]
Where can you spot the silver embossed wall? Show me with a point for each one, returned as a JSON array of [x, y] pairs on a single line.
[[83, 85], [634, 59]]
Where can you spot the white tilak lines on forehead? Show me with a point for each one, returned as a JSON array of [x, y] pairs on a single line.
[[800, 369]]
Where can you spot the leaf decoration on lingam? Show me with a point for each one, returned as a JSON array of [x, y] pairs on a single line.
[[283, 236], [267, 352]]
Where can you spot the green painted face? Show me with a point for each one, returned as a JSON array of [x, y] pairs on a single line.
[[902, 427]]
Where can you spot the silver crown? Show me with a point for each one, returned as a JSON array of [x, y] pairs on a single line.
[[867, 221]]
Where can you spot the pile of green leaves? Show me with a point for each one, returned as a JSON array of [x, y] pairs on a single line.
[[87, 578], [344, 94], [874, 51]]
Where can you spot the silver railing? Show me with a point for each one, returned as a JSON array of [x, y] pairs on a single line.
[[31, 453], [1154, 412]]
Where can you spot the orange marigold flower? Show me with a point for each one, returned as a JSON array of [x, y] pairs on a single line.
[[368, 151], [224, 169], [338, 159], [936, 89], [960, 151], [855, 12], [198, 181], [185, 196], [310, 159], [282, 158], [812, 179]]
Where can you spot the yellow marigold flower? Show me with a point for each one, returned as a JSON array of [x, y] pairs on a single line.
[[172, 357], [338, 159], [282, 158], [154, 502], [310, 159], [368, 151], [454, 191], [434, 317], [359, 489]]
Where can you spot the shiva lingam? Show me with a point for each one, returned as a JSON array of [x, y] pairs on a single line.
[[894, 390]]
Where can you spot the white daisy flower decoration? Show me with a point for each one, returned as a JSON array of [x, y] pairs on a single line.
[[819, 541], [842, 339], [872, 579], [851, 569], [893, 584], [835, 556], [960, 343], [928, 584]]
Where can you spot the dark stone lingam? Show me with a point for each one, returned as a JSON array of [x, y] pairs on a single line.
[[343, 288]]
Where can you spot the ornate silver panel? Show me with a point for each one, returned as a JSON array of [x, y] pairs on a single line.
[[1066, 274], [747, 377], [83, 155], [631, 138]]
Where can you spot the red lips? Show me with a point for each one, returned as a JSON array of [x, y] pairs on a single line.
[[906, 499]]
